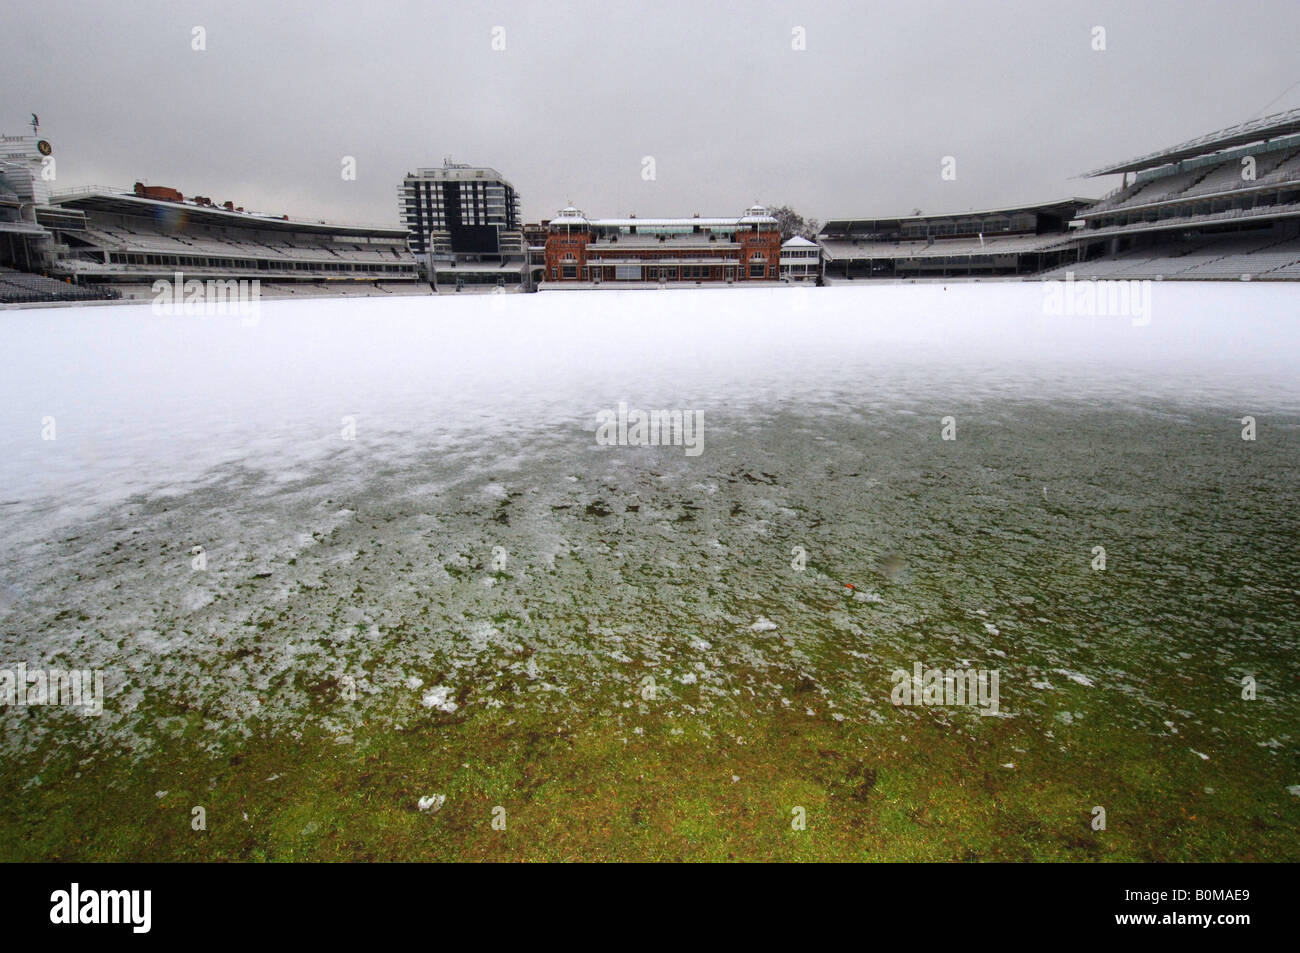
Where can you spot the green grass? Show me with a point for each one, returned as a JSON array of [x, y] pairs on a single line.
[[592, 789]]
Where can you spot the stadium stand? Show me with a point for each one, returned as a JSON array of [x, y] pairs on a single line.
[[133, 239], [1223, 206], [994, 243], [1228, 258], [17, 287], [94, 243]]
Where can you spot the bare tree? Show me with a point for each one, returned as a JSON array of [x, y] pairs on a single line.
[[792, 224]]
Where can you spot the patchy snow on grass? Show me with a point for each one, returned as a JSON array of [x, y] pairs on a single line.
[[346, 470], [439, 697]]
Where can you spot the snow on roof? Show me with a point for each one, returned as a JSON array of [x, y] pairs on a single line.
[[757, 214]]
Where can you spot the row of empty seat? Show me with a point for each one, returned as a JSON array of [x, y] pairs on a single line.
[[1231, 257], [18, 287], [1175, 216], [344, 289], [943, 248], [313, 289], [122, 240], [1280, 167]]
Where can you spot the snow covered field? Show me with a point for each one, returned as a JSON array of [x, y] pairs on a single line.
[[152, 404], [407, 497]]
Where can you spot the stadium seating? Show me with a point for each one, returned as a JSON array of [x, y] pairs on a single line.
[[1220, 178], [257, 253], [17, 287], [1208, 259], [1214, 179]]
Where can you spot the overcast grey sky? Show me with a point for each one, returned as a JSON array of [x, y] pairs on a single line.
[[855, 124]]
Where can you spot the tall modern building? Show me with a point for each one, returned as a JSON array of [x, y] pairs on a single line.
[[463, 222]]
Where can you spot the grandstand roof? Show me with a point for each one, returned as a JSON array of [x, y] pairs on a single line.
[[121, 202], [756, 214], [1062, 207], [1253, 130], [664, 222]]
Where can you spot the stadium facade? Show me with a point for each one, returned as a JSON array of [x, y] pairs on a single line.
[[26, 250], [1007, 242], [127, 238], [463, 223], [583, 252], [801, 260], [114, 242], [1223, 206]]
